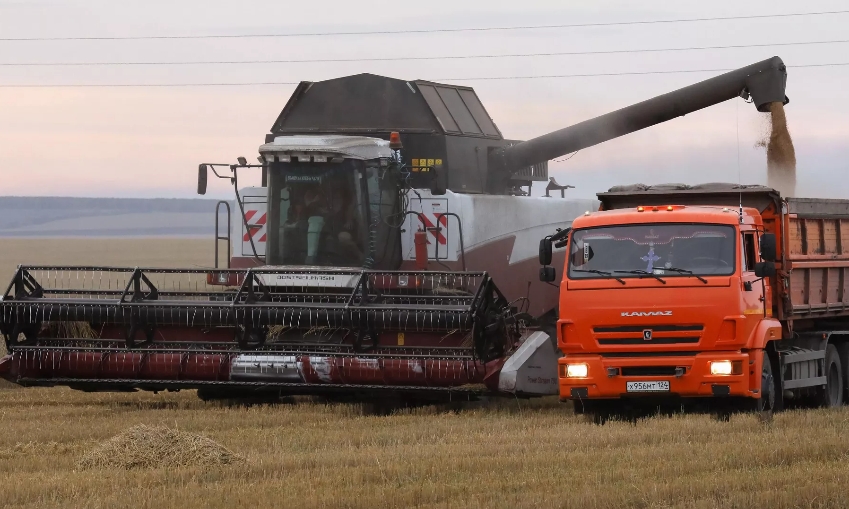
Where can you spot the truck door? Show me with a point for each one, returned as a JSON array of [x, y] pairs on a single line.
[[753, 289]]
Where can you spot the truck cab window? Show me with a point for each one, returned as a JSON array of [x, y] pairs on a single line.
[[749, 251], [668, 250]]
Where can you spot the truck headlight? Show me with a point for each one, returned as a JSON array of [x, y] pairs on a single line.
[[726, 367], [720, 367], [576, 371]]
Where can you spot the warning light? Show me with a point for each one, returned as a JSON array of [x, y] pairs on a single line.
[[395, 141], [640, 209], [669, 208]]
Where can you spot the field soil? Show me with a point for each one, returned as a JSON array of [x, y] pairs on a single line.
[[306, 454]]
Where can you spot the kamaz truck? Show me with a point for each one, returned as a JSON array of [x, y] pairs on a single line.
[[718, 293]]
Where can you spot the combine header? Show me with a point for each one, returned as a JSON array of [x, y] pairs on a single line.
[[101, 327], [356, 267]]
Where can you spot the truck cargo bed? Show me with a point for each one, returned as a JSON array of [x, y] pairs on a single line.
[[817, 258]]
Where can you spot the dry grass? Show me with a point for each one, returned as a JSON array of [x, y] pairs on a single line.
[[150, 252], [508, 454], [503, 454], [145, 446]]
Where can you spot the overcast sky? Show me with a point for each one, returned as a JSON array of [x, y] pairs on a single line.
[[147, 142]]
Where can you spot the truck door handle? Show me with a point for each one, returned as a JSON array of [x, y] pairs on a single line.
[[761, 298]]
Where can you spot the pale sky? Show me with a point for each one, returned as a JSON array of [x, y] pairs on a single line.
[[147, 142]]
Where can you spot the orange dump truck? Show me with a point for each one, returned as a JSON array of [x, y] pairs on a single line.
[[718, 293]]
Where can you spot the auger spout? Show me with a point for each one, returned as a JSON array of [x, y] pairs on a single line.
[[764, 82]]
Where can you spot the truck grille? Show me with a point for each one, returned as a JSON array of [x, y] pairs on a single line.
[[653, 341], [654, 328], [661, 334], [649, 371]]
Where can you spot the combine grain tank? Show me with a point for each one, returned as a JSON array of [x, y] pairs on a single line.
[[394, 248]]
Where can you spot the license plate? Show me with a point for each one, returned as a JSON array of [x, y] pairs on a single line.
[[647, 386]]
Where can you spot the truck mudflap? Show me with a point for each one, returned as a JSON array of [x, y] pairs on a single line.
[[102, 327], [680, 376]]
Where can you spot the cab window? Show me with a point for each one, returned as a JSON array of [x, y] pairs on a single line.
[[749, 252]]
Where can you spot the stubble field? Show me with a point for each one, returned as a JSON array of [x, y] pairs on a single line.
[[501, 454]]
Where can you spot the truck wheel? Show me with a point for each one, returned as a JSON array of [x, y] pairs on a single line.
[[843, 353], [769, 395], [777, 387], [771, 398], [832, 394]]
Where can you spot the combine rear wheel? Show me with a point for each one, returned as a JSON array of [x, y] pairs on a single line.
[[832, 394]]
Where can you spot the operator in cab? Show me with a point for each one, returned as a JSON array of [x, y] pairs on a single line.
[[320, 225]]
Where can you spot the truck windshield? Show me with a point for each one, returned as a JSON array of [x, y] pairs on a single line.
[[649, 250], [317, 214]]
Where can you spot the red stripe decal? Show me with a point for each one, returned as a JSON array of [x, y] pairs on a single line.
[[435, 233]]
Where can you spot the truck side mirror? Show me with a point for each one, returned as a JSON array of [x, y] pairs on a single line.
[[768, 249], [547, 274], [545, 251], [438, 186], [202, 179], [764, 269]]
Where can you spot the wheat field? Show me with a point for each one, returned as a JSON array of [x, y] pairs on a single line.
[[503, 453]]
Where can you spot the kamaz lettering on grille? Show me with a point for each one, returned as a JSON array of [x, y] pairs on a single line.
[[647, 313]]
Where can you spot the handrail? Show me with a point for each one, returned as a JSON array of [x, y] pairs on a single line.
[[217, 229]]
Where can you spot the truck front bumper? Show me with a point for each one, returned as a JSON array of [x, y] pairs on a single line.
[[687, 376]]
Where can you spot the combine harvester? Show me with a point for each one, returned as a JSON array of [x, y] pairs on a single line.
[[391, 252]]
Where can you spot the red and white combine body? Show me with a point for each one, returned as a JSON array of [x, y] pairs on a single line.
[[396, 229], [390, 247]]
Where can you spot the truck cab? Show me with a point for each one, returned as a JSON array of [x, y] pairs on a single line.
[[674, 284], [718, 293]]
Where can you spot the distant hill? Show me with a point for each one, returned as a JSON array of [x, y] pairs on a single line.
[[22, 216]]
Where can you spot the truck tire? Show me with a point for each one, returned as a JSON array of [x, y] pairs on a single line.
[[843, 353], [772, 397], [832, 394]]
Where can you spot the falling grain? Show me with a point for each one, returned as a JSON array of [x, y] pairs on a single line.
[[780, 154]]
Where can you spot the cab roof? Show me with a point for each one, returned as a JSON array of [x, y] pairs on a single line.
[[717, 193], [661, 214], [350, 147]]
